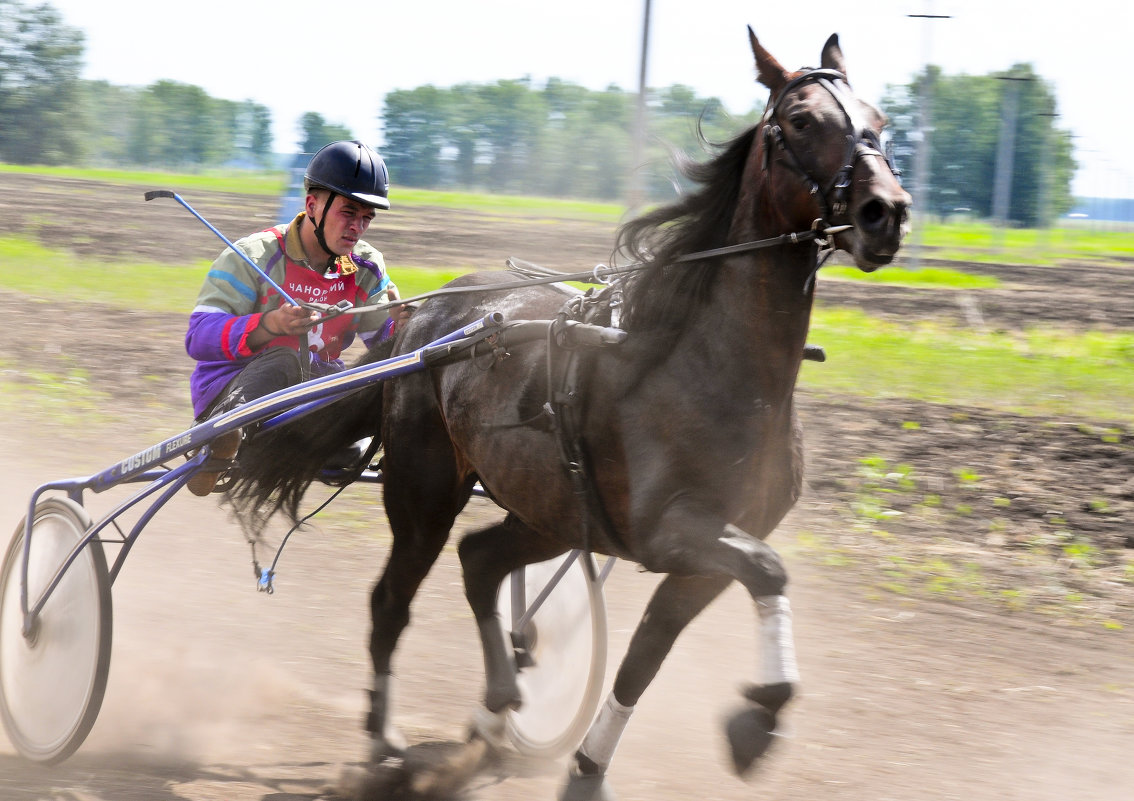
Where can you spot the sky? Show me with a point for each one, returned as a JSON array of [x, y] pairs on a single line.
[[340, 58]]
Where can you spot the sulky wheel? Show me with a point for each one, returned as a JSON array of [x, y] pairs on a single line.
[[561, 686], [52, 683]]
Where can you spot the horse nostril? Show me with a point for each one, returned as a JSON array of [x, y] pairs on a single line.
[[872, 213]]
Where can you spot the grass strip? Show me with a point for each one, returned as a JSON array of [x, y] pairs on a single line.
[[1044, 372]]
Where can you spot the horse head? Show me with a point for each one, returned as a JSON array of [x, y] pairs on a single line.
[[822, 159]]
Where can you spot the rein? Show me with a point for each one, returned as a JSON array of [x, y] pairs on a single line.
[[861, 142], [601, 273]]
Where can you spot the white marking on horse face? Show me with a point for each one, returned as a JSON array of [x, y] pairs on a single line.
[[741, 540]]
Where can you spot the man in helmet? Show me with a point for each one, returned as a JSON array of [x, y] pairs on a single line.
[[248, 341]]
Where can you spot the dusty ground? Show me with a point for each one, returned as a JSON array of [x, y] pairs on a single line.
[[964, 624]]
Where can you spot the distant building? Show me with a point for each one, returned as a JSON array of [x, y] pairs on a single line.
[[1107, 209]]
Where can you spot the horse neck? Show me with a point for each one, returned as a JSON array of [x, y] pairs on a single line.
[[762, 299]]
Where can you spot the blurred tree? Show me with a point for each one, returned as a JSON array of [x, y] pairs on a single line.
[[562, 140], [40, 61], [172, 125], [510, 128], [967, 125], [412, 151], [252, 134], [178, 125], [316, 132], [109, 112], [685, 127]]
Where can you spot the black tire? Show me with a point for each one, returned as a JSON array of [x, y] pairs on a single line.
[[52, 685]]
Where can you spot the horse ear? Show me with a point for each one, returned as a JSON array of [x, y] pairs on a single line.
[[768, 70], [832, 58]]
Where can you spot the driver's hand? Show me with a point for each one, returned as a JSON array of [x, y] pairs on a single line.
[[400, 313]]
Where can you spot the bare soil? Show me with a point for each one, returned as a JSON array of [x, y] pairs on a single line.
[[963, 580]]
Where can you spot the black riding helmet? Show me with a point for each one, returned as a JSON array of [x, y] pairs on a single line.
[[350, 169]]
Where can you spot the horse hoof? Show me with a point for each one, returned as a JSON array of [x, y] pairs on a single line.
[[769, 696], [383, 750], [750, 735], [378, 782], [587, 788], [490, 727], [503, 697], [447, 775]]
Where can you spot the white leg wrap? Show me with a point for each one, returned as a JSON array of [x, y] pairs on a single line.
[[391, 734], [604, 734], [777, 646], [491, 727]]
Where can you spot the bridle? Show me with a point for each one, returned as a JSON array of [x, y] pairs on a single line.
[[861, 141]]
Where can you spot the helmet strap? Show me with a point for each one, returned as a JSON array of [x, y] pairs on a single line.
[[322, 221]]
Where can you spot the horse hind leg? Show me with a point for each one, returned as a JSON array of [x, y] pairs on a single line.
[[418, 540], [487, 557]]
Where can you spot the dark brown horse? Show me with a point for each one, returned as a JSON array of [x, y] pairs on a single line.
[[683, 448]]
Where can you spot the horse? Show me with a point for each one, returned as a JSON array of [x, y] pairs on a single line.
[[678, 448]]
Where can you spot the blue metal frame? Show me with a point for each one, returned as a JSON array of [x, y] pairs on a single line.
[[279, 408], [271, 411]]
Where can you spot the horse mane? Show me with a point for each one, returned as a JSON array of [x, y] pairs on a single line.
[[658, 299]]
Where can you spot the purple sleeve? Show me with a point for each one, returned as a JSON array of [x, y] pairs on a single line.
[[383, 333], [216, 336]]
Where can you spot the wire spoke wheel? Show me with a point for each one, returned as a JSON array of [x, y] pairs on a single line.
[[52, 683], [566, 636]]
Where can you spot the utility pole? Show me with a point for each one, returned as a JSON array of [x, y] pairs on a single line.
[[921, 156], [1006, 155], [1047, 169], [637, 194]]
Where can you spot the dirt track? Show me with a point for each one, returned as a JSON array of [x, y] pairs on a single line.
[[962, 656]]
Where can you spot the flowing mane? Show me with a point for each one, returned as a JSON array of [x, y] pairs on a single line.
[[658, 299]]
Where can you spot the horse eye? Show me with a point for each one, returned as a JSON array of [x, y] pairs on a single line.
[[800, 122]]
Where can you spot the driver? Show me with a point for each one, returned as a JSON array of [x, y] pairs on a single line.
[[248, 341]]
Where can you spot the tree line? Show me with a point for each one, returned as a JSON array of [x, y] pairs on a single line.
[[49, 115], [557, 139]]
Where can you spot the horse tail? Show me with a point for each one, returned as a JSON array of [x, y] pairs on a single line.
[[276, 467]]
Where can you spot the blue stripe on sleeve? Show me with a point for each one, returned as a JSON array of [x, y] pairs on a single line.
[[241, 287]]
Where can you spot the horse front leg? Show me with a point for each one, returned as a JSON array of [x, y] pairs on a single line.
[[757, 566], [676, 601], [699, 568]]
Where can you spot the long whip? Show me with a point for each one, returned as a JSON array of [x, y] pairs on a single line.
[[166, 193]]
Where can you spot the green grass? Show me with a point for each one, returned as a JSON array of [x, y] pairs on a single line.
[[930, 277], [253, 182], [982, 242], [55, 274], [1043, 372], [141, 286], [249, 182]]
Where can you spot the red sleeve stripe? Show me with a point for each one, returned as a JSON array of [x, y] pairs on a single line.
[[242, 346], [226, 332]]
